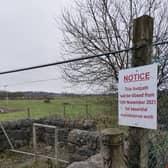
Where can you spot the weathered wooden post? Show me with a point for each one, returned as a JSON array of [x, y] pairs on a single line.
[[28, 113], [112, 148], [87, 111], [142, 55], [34, 143], [64, 106], [56, 146]]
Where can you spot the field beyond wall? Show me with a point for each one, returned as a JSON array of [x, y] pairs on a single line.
[[78, 107]]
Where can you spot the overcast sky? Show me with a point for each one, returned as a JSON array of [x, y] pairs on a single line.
[[29, 36]]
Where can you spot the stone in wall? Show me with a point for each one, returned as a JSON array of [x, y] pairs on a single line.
[[82, 144], [93, 162]]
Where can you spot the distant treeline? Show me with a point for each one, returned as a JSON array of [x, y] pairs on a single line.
[[40, 95], [25, 95], [51, 95]]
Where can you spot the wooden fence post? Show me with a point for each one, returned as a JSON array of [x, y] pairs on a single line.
[[34, 143], [87, 111], [28, 113], [112, 148], [142, 55]]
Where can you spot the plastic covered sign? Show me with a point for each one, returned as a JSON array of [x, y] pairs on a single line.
[[137, 99]]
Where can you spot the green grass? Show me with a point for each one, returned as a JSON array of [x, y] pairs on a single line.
[[69, 107]]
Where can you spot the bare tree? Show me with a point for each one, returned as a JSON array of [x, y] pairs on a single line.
[[102, 26]]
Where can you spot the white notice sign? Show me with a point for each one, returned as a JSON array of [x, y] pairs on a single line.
[[137, 99]]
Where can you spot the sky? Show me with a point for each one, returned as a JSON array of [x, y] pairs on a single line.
[[30, 36]]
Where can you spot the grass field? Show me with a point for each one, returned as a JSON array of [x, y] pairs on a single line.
[[68, 107]]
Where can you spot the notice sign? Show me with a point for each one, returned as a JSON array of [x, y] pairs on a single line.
[[138, 97]]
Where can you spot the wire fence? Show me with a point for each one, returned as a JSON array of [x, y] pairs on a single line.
[[102, 109], [96, 108]]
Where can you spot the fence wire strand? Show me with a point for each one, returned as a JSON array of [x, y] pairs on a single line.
[[106, 115]]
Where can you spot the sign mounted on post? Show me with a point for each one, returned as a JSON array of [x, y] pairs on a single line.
[[137, 97]]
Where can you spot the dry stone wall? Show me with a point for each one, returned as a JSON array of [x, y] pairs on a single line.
[[20, 131]]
